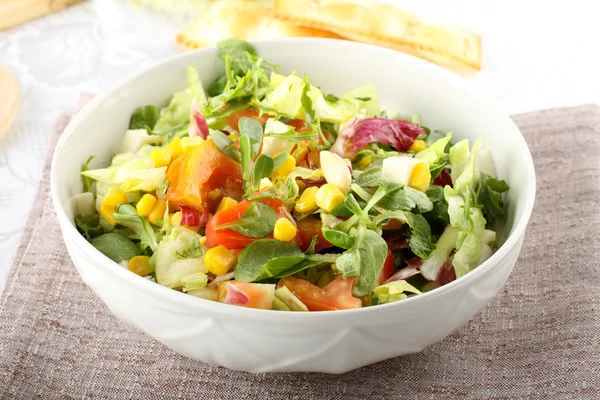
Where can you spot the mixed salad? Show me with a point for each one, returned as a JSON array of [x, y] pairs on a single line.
[[264, 191]]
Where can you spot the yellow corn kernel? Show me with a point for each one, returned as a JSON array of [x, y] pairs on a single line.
[[175, 218], [158, 212], [365, 161], [420, 177], [107, 213], [109, 204], [145, 205], [417, 146], [161, 157], [187, 143], [226, 203], [233, 137], [175, 148], [139, 265], [219, 260], [329, 196], [214, 194], [284, 230], [113, 198], [284, 169], [306, 202]]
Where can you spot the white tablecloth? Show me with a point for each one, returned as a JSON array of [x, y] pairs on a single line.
[[537, 54]]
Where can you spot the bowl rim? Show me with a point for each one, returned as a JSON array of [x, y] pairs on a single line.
[[199, 304]]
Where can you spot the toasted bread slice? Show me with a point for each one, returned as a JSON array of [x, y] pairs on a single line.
[[243, 20], [385, 25]]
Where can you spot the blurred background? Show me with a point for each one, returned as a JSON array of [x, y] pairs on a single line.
[[535, 54]]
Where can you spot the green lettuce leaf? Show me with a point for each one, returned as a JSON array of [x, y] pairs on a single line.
[[364, 260], [168, 271], [286, 96], [177, 113], [489, 196], [393, 291], [116, 246], [127, 216], [133, 175], [464, 215]]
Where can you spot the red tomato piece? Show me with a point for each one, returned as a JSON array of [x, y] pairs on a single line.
[[335, 296], [389, 267], [309, 228], [232, 239], [234, 119]]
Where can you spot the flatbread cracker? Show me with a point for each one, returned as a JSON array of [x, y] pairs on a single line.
[[384, 25], [243, 20]]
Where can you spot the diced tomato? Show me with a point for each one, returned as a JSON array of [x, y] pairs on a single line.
[[309, 228], [389, 267], [300, 125], [234, 119], [204, 168], [335, 296], [232, 239], [245, 294]]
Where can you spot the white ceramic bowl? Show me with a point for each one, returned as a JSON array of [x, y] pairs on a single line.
[[266, 341]]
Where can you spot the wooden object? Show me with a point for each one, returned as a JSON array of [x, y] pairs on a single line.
[[9, 98], [16, 12]]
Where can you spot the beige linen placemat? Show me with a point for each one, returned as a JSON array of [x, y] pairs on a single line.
[[540, 338]]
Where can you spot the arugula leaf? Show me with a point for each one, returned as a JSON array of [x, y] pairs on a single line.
[[420, 240], [89, 225], [217, 87], [235, 50], [271, 258], [257, 221], [489, 195], [87, 181], [251, 128], [364, 260], [225, 144], [145, 116], [115, 246], [127, 215], [438, 217]]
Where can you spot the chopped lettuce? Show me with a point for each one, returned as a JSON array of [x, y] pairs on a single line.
[[128, 216], [462, 210], [435, 155], [132, 175], [169, 268], [286, 99], [177, 113], [393, 291]]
